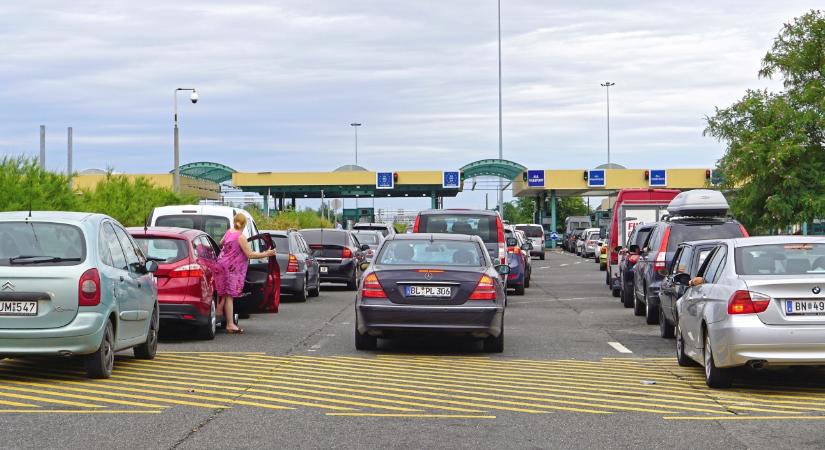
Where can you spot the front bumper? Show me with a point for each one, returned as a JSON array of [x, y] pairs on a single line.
[[476, 320], [80, 337], [740, 339]]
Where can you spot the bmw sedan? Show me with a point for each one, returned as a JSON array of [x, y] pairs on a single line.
[[431, 283], [757, 302]]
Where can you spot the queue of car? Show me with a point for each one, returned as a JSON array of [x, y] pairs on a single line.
[[80, 284], [728, 299]]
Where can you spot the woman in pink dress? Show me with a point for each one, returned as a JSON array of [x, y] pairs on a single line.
[[232, 265]]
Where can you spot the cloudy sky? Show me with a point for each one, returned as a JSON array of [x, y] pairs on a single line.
[[280, 81]]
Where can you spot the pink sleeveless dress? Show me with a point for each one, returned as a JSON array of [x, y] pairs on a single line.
[[232, 266]]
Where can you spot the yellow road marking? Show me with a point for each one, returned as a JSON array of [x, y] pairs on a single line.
[[81, 411], [744, 418], [82, 397], [417, 416]]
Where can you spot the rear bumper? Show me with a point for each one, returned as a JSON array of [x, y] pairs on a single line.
[[341, 273], [176, 311], [745, 338], [80, 337], [481, 320], [292, 282]]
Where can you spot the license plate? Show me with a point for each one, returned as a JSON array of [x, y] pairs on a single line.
[[324, 269], [427, 291], [18, 308], [805, 307]]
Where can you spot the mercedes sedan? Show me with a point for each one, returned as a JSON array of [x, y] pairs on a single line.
[[425, 283], [756, 302]]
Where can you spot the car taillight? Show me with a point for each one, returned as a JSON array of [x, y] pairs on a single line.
[[747, 302], [346, 253], [372, 287], [660, 264], [485, 289], [187, 271], [417, 223], [88, 288], [744, 231], [502, 245], [292, 265], [511, 249]]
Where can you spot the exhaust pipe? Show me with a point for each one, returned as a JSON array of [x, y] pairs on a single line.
[[757, 364], [65, 353]]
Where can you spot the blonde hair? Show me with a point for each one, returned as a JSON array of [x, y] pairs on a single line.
[[239, 221]]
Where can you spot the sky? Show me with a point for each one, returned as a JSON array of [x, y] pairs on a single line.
[[281, 81]]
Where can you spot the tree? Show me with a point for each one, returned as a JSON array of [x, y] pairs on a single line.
[[570, 206], [520, 210], [25, 185], [774, 159]]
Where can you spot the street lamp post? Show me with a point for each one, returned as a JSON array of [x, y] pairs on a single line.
[[194, 99], [355, 126], [606, 86], [500, 140]]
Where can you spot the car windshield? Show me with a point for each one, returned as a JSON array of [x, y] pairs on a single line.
[[437, 252], [483, 226], [163, 250], [686, 232], [281, 242], [325, 237], [41, 243], [214, 226], [367, 238], [795, 258], [381, 228], [533, 231]]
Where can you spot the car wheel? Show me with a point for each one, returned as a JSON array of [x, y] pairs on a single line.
[[353, 284], [316, 291], [302, 293], [495, 344], [541, 257], [207, 332], [527, 281], [519, 289], [666, 330], [617, 292], [651, 312], [638, 307], [365, 341], [101, 363], [714, 376], [148, 349], [627, 298], [681, 357]]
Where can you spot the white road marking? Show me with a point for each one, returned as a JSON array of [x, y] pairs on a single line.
[[563, 265], [619, 347], [579, 262]]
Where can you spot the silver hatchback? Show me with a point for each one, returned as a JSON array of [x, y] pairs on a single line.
[[756, 301]]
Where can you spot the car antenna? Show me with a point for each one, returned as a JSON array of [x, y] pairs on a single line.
[[146, 225], [31, 188]]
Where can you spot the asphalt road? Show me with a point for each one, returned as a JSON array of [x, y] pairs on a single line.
[[578, 371]]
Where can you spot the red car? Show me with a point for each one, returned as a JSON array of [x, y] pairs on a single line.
[[186, 290]]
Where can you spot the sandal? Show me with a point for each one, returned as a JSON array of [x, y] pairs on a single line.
[[238, 331]]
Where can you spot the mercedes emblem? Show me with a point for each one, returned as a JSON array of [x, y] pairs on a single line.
[[428, 275]]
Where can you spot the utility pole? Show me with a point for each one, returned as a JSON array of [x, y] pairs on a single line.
[[500, 139], [606, 86], [42, 159]]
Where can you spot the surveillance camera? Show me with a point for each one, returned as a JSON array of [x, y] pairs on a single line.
[[194, 97]]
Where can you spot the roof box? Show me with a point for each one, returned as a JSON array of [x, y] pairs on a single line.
[[699, 202]]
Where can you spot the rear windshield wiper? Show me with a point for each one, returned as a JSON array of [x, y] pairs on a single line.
[[37, 259], [155, 258]]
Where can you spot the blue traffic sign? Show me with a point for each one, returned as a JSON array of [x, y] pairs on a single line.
[[554, 236], [384, 180], [595, 178], [451, 179], [535, 178], [658, 177]]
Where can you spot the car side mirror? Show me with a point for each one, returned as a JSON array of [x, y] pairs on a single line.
[[503, 269], [364, 266], [698, 281], [633, 248], [682, 279], [364, 247], [151, 266], [527, 246], [512, 242]]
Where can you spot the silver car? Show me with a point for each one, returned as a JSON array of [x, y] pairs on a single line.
[[756, 301]]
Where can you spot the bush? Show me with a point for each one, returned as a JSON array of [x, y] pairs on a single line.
[[129, 201], [24, 185], [284, 220]]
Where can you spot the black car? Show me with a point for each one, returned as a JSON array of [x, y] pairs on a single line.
[[443, 283], [688, 258], [654, 261], [628, 257], [300, 274], [338, 253]]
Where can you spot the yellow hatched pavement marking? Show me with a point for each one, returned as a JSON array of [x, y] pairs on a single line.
[[286, 382], [731, 401], [81, 411], [745, 418], [415, 416]]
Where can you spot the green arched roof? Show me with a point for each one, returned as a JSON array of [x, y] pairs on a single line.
[[214, 172], [493, 167]]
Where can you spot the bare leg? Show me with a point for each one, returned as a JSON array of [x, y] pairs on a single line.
[[229, 313]]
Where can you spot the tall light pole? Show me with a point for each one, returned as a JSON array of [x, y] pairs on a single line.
[[606, 86], [500, 139], [355, 126], [194, 99]]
